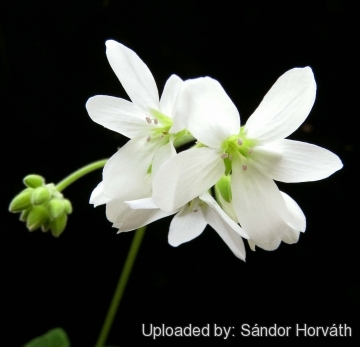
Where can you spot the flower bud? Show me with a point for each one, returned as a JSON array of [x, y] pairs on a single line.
[[40, 195], [223, 186], [58, 225], [33, 181], [21, 201], [42, 206], [56, 208], [68, 206], [37, 217]]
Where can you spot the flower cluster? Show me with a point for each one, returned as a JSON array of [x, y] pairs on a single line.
[[227, 178], [41, 206]]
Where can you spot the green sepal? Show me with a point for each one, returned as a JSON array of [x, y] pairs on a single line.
[[24, 215], [58, 225], [40, 195], [34, 181], [46, 226], [21, 201], [56, 208], [37, 217], [224, 188]]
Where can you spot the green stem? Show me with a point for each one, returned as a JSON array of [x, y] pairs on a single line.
[[80, 173], [119, 291]]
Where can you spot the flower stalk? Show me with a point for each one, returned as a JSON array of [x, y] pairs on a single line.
[[120, 287], [80, 173]]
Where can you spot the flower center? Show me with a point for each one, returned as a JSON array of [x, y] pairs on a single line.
[[239, 147], [162, 125], [195, 204]]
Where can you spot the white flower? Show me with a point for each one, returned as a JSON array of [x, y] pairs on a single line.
[[188, 223], [147, 121], [255, 155]]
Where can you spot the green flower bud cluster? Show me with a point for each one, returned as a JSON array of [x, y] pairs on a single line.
[[41, 206]]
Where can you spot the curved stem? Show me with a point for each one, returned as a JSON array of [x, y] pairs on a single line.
[[80, 173], [120, 288]]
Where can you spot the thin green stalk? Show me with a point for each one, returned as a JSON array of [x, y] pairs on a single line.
[[120, 288], [80, 173]]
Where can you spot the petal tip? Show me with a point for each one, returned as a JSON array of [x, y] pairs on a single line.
[[110, 43]]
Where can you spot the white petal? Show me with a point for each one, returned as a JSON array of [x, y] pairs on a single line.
[[251, 244], [258, 205], [285, 106], [210, 201], [139, 218], [125, 172], [116, 209], [134, 75], [142, 204], [186, 176], [207, 111], [227, 207], [185, 226], [297, 218], [294, 161], [118, 115], [270, 246], [171, 90], [226, 232], [163, 154], [98, 197], [291, 237]]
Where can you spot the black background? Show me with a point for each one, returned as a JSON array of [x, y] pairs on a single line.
[[52, 59]]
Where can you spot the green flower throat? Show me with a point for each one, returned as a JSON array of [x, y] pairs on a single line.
[[237, 147]]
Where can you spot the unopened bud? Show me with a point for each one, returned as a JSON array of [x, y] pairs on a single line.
[[34, 181], [40, 195], [21, 201], [36, 218], [56, 208], [224, 188], [58, 225], [42, 206]]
